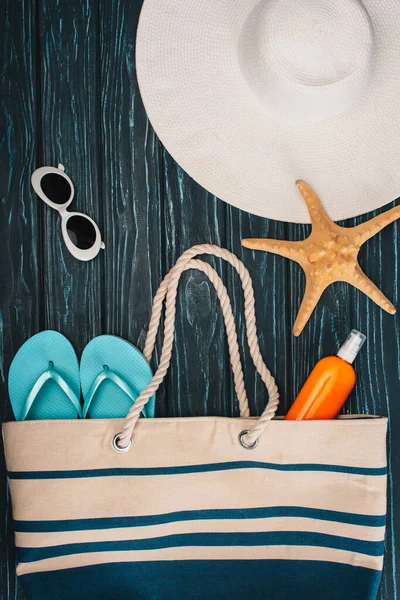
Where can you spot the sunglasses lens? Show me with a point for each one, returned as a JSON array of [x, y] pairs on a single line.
[[81, 232], [56, 188]]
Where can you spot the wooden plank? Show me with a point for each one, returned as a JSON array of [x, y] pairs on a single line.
[[19, 228], [130, 181], [270, 280], [70, 135], [199, 374]]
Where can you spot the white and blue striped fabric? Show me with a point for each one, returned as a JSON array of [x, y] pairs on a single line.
[[189, 513]]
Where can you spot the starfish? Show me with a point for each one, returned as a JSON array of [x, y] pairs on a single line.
[[329, 254]]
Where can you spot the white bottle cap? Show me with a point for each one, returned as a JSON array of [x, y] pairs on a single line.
[[352, 346]]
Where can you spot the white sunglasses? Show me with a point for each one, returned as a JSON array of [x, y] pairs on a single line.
[[81, 234]]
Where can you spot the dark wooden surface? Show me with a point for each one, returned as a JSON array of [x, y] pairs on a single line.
[[69, 94]]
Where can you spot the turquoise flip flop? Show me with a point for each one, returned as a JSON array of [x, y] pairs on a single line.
[[43, 381], [113, 373]]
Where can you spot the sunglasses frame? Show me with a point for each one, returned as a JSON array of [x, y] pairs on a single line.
[[78, 253]]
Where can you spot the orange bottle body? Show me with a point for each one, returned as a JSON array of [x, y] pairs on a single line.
[[325, 391]]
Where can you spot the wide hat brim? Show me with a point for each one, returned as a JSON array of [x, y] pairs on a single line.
[[249, 152]]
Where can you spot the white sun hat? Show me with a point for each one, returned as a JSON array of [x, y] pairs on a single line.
[[250, 95]]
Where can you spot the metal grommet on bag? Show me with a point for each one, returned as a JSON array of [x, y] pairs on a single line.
[[243, 443], [118, 448]]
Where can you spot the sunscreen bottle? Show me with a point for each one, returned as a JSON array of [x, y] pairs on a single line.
[[329, 383]]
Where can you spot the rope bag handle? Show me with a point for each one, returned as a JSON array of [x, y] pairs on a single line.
[[168, 292]]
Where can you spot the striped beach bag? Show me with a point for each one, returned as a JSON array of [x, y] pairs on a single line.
[[247, 508]]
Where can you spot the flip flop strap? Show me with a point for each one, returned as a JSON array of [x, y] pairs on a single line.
[[51, 373], [107, 375]]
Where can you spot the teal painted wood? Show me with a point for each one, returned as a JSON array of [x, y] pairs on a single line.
[[198, 379], [130, 181], [270, 277], [70, 95], [69, 134], [20, 287]]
